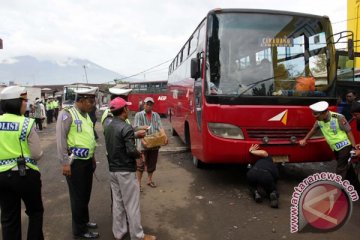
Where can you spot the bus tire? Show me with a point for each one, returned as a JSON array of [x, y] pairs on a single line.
[[197, 162], [173, 132]]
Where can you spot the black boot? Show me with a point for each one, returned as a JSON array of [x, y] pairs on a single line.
[[274, 202], [257, 197]]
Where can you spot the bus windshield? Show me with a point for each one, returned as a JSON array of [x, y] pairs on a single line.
[[258, 54]]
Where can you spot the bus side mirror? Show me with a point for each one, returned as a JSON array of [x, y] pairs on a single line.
[[351, 49], [195, 68], [1, 44]]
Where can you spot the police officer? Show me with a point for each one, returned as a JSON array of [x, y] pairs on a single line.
[[56, 108], [336, 131], [50, 107], [76, 146], [19, 173], [263, 175], [107, 116], [115, 92]]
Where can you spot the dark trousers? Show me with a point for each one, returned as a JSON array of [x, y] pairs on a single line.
[[342, 157], [345, 170], [56, 113], [13, 189], [261, 178], [38, 123], [50, 115], [80, 184]]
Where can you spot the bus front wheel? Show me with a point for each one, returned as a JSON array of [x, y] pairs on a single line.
[[197, 162], [173, 132]]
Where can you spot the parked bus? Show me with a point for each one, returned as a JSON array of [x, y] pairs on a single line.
[[247, 77], [155, 89], [69, 94]]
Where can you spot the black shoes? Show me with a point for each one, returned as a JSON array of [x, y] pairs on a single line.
[[88, 235], [274, 203], [91, 225], [257, 197]]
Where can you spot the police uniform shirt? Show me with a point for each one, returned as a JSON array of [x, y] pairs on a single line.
[[343, 124], [34, 144], [62, 129]]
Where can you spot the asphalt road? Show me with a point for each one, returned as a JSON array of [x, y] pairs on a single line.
[[188, 204]]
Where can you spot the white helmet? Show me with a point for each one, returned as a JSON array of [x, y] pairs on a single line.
[[120, 91], [319, 106], [13, 92]]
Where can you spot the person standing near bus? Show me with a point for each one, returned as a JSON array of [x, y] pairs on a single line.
[[263, 175], [19, 173], [147, 117], [336, 131], [76, 147], [350, 99], [122, 154]]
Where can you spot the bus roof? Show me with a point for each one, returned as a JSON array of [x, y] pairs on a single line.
[[250, 10]]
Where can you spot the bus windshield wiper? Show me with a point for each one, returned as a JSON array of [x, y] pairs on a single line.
[[251, 86]]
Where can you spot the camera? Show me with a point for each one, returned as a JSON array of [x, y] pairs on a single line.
[[21, 166], [352, 153]]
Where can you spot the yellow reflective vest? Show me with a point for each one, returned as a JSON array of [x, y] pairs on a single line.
[[81, 139], [335, 137], [14, 133]]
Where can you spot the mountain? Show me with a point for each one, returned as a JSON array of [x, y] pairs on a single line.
[[28, 70]]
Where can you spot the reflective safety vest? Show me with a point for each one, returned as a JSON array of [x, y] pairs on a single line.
[[81, 139], [51, 105], [14, 133], [106, 114], [56, 104], [335, 137]]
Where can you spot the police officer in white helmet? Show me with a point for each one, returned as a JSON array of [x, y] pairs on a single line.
[[19, 172], [76, 148], [336, 131]]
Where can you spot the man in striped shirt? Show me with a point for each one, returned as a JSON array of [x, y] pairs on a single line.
[[147, 117]]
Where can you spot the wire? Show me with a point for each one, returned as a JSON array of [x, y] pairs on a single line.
[[144, 71], [345, 20]]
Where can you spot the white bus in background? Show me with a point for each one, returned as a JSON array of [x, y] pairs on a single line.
[[69, 94]]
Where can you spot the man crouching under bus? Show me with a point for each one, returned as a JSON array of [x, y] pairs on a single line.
[[263, 175]]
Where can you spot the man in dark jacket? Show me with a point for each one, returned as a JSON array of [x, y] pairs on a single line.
[[122, 154], [263, 174]]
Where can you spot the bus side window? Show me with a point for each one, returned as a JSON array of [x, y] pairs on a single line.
[[193, 43]]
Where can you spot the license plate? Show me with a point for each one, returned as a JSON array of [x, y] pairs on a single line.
[[280, 158]]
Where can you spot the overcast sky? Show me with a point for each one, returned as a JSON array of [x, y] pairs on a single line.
[[124, 36]]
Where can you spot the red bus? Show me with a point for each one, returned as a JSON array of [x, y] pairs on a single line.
[[247, 77], [155, 89]]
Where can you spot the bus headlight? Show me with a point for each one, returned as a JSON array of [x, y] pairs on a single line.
[[225, 130]]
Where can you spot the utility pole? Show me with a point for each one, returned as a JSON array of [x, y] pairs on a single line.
[[85, 74]]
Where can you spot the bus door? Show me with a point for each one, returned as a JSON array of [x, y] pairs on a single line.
[[348, 75], [348, 78], [196, 74]]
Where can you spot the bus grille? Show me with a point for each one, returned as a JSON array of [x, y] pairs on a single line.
[[277, 134]]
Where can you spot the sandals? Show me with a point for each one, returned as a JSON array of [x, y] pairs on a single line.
[[151, 184]]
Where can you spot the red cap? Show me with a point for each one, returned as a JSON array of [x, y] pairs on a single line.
[[118, 103]]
